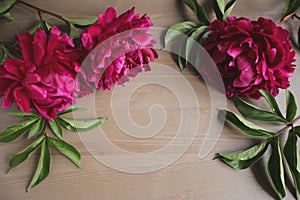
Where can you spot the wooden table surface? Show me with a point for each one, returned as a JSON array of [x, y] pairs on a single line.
[[187, 178]]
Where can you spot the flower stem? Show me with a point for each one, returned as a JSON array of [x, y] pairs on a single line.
[[40, 10], [284, 20]]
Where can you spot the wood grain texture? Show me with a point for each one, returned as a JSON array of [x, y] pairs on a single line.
[[187, 178]]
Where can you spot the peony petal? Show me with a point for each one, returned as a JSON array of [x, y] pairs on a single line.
[[66, 40], [219, 25], [53, 43], [142, 39], [82, 86], [234, 51], [109, 16], [8, 96], [36, 92], [31, 78], [127, 16], [12, 66], [39, 46], [25, 42], [244, 79], [271, 55], [144, 22], [151, 53], [258, 80], [22, 99], [43, 112], [243, 62], [90, 36], [4, 85]]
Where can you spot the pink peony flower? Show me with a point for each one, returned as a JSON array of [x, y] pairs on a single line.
[[123, 48], [45, 78], [251, 55]]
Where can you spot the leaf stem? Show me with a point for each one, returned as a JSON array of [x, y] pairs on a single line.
[[296, 16], [295, 120], [40, 10], [291, 124], [44, 130], [40, 15], [16, 53]]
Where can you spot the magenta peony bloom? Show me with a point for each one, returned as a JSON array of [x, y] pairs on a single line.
[[251, 55], [45, 78], [123, 48]]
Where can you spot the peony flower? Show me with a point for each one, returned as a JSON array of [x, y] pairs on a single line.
[[44, 79], [251, 55], [123, 48]]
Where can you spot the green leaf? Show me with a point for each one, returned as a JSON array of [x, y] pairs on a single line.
[[177, 29], [80, 125], [13, 132], [43, 168], [3, 55], [204, 37], [74, 31], [275, 169], [292, 157], [182, 63], [198, 10], [272, 102], [221, 5], [245, 126], [70, 109], [228, 8], [21, 114], [47, 26], [7, 16], [290, 7], [296, 130], [254, 112], [243, 159], [24, 154], [66, 149], [37, 128], [9, 54], [56, 128], [40, 24], [82, 22], [219, 8], [291, 106], [245, 154], [5, 5], [193, 39]]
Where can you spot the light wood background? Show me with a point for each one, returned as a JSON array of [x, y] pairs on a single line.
[[186, 179]]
